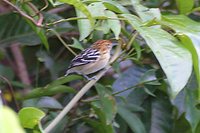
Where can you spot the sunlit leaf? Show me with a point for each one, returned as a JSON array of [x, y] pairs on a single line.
[[9, 122], [30, 117], [76, 44], [82, 12], [185, 6], [189, 31], [175, 60], [114, 25], [146, 14], [114, 6], [111, 5]]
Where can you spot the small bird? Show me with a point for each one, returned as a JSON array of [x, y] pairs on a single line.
[[91, 59]]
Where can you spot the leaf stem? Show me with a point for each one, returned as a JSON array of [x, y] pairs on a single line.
[[77, 18], [63, 42]]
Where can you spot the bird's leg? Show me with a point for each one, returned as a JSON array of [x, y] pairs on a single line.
[[66, 74], [88, 78]]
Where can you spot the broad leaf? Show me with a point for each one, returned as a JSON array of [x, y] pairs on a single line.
[[84, 26], [30, 117], [111, 5], [9, 122], [174, 59], [49, 91], [114, 25], [187, 28], [146, 14], [185, 6], [132, 120], [49, 103], [107, 103], [114, 6], [23, 33], [157, 115], [82, 12]]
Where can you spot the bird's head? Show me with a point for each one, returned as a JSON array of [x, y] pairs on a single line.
[[103, 45]]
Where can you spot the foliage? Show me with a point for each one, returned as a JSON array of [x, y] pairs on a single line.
[[153, 86]]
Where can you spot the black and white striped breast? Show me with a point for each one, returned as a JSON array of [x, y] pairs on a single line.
[[87, 56]]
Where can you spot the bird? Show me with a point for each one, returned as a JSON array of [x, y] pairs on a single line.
[[91, 60]]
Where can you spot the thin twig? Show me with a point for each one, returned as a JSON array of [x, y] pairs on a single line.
[[78, 18], [78, 96], [45, 6], [63, 42], [23, 14], [40, 16]]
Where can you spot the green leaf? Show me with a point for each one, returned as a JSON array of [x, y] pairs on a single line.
[[107, 103], [49, 103], [76, 44], [131, 119], [83, 11], [55, 2], [175, 60], [128, 79], [185, 6], [158, 114], [99, 127], [114, 6], [6, 71], [84, 26], [146, 14], [186, 28], [49, 91], [190, 46], [38, 30], [182, 125], [114, 25], [63, 80], [30, 117], [111, 5], [9, 122], [10, 33], [97, 9], [23, 33], [192, 113], [54, 87], [102, 126]]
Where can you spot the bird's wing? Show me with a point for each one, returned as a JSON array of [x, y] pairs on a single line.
[[87, 56]]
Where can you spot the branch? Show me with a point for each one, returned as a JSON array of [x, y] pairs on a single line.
[[23, 14], [77, 18], [78, 96], [20, 65]]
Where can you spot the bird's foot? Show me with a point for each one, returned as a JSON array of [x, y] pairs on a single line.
[[90, 78]]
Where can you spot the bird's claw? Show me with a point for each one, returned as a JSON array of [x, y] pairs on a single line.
[[92, 78]]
